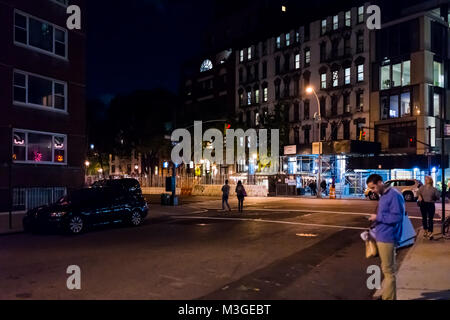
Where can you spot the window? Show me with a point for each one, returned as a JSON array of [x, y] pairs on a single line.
[[360, 101], [323, 29], [436, 112], [335, 78], [241, 56], [257, 120], [360, 43], [395, 75], [249, 98], [264, 70], [405, 104], [257, 96], [288, 39], [348, 18], [438, 72], [323, 52], [360, 73], [406, 74], [334, 105], [278, 45], [241, 75], [296, 112], [347, 130], [323, 81], [206, 66], [241, 99], [306, 135], [306, 111], [346, 103], [323, 132], [335, 22], [249, 53], [297, 61], [297, 37], [36, 91], [361, 14], [307, 57], [40, 35], [323, 106], [348, 76], [265, 94], [39, 148]]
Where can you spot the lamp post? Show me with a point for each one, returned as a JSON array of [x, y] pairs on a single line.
[[318, 118]]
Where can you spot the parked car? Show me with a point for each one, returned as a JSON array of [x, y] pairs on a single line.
[[407, 187], [104, 203]]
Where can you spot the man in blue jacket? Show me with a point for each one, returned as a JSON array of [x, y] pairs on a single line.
[[388, 231]]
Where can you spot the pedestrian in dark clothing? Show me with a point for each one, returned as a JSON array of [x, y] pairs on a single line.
[[428, 195], [225, 196], [241, 194], [323, 186]]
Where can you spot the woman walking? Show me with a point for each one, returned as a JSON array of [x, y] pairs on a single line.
[[428, 195], [241, 194]]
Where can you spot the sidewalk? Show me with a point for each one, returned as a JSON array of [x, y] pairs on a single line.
[[424, 273]]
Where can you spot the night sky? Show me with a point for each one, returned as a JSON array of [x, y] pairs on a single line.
[[141, 44]]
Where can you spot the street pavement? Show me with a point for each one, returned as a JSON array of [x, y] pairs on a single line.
[[279, 248]]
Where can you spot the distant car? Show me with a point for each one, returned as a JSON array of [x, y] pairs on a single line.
[[105, 202], [407, 187]]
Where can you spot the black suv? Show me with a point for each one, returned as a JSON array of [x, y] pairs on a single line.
[[107, 201]]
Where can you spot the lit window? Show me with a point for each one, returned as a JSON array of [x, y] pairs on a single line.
[[36, 91], [347, 75], [307, 57], [396, 75], [257, 96], [348, 19], [360, 73], [406, 75], [278, 42], [249, 98], [438, 71], [265, 94], [324, 27], [335, 22], [39, 147], [361, 14], [297, 61], [288, 39], [385, 77], [40, 35], [241, 56], [283, 8], [335, 78], [206, 66], [249, 53], [323, 81]]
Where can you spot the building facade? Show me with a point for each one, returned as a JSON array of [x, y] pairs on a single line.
[[42, 128]]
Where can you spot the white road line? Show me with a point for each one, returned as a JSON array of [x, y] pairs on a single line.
[[271, 221]]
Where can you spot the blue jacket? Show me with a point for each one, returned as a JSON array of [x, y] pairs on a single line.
[[391, 211]]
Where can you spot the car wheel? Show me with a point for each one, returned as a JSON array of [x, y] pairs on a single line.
[[409, 197], [136, 218], [75, 225]]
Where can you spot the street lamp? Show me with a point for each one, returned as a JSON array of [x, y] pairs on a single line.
[[317, 118]]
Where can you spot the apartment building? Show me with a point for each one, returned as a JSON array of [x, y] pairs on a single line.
[[42, 127], [332, 57]]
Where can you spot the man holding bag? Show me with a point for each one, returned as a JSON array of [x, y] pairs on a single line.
[[388, 231]]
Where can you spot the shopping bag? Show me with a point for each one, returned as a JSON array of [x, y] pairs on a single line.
[[371, 248], [408, 233]]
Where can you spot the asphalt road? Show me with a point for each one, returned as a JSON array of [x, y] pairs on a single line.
[[278, 249]]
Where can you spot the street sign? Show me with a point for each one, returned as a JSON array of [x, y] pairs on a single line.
[[291, 182], [290, 150]]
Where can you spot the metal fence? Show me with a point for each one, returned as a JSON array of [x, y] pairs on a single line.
[[29, 198]]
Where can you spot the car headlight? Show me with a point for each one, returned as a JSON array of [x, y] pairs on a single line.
[[58, 214]]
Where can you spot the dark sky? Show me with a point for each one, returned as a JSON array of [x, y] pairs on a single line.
[[141, 44]]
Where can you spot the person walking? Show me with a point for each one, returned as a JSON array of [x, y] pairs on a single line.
[[241, 194], [388, 228], [225, 196], [428, 196]]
